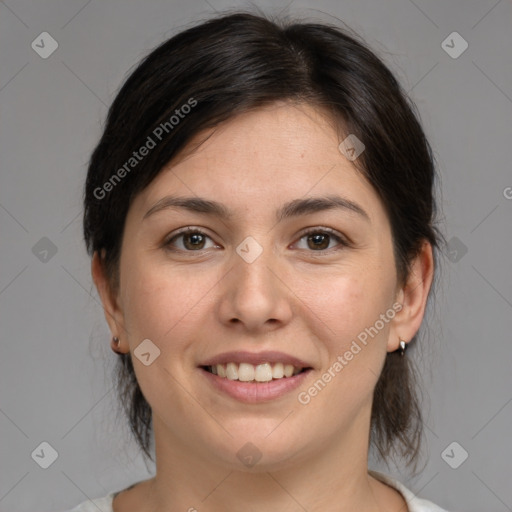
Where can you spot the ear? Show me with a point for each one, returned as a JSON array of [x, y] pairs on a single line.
[[111, 308], [413, 298]]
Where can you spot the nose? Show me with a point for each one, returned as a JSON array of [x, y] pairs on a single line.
[[255, 296]]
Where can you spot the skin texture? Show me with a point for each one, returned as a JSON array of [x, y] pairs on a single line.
[[295, 298]]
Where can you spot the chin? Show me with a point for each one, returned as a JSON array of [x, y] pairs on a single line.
[[259, 452]]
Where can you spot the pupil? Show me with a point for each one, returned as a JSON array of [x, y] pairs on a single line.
[[194, 239], [320, 241]]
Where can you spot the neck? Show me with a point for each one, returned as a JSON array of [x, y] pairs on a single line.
[[335, 477]]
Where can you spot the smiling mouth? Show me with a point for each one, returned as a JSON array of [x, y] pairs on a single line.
[[246, 372]]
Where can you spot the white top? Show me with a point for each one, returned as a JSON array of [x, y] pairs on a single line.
[[414, 504]]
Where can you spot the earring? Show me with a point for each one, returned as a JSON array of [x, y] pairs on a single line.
[[115, 345], [402, 348]]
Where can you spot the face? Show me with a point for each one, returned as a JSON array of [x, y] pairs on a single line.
[[271, 277]]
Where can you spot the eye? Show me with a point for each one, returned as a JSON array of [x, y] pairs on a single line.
[[192, 239], [320, 239]]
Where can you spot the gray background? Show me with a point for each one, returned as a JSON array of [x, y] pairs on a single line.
[[56, 361]]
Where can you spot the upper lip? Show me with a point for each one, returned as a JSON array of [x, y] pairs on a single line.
[[255, 358]]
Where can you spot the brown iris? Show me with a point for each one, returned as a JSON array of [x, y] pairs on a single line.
[[320, 241], [193, 240]]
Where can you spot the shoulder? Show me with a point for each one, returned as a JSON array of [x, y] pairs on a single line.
[[414, 503], [95, 505]]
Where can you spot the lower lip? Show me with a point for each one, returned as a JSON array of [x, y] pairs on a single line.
[[256, 392]]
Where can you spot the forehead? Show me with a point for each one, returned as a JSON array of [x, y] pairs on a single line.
[[284, 130], [261, 159]]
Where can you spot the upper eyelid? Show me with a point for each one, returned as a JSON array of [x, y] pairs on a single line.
[[321, 229]]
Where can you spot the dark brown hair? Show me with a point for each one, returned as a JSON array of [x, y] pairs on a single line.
[[239, 62]]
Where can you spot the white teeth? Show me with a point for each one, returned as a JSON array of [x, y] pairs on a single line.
[[288, 370], [246, 372], [263, 373], [278, 371], [232, 371]]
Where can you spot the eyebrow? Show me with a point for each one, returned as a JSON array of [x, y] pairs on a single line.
[[293, 208]]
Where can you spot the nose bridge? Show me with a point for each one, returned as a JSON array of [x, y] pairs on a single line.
[[254, 294], [252, 271], [254, 274]]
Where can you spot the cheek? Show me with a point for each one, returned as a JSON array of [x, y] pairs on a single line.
[[345, 315], [163, 306], [348, 321], [348, 304], [161, 302]]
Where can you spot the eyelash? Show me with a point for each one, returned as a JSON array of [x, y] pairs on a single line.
[[342, 242]]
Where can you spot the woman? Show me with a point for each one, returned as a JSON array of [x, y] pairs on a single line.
[[260, 216]]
